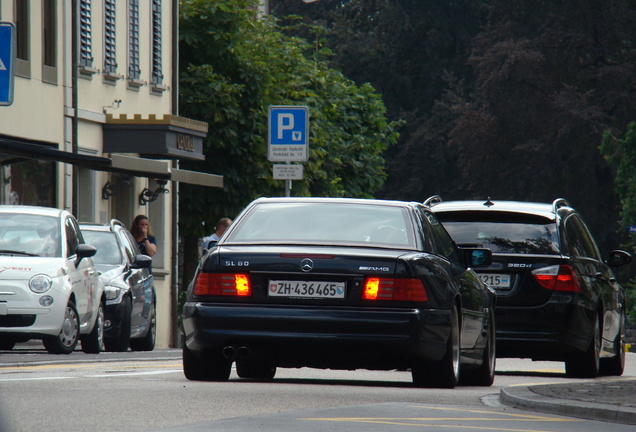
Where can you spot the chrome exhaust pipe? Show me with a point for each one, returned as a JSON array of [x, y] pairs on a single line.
[[244, 352], [229, 352]]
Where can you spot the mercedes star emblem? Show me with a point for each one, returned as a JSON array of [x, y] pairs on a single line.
[[306, 265]]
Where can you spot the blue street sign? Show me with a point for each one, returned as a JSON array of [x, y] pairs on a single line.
[[631, 229], [288, 133], [7, 59]]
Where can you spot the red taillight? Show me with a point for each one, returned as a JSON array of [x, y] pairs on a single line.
[[376, 288], [222, 284], [557, 278]]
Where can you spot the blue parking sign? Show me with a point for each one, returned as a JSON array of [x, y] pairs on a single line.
[[288, 133], [7, 59]]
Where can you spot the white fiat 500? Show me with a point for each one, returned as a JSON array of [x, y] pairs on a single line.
[[49, 288]]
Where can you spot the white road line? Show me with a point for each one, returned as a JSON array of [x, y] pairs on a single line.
[[35, 379], [116, 374], [110, 375]]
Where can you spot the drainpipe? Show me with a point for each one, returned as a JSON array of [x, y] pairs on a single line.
[[175, 185], [74, 103]]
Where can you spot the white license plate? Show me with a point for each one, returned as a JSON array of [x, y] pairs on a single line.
[[304, 289], [4, 308], [496, 280]]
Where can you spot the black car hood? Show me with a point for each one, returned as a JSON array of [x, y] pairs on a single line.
[[110, 273]]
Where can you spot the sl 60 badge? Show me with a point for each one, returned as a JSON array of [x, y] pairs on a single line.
[[237, 263]]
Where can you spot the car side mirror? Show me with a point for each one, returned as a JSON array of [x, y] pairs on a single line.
[[84, 251], [477, 257], [141, 261], [618, 258]]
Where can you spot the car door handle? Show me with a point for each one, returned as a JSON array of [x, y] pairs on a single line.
[[601, 276]]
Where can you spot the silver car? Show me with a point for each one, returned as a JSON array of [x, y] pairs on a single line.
[[130, 315]]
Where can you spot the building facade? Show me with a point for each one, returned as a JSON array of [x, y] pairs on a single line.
[[93, 126]]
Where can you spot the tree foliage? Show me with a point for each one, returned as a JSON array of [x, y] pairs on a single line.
[[234, 65], [503, 98], [620, 153]]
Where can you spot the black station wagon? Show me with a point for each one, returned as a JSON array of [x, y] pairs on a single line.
[[557, 298]]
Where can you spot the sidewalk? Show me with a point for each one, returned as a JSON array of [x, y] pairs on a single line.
[[610, 400]]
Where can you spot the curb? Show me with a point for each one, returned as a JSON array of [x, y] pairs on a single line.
[[524, 398]]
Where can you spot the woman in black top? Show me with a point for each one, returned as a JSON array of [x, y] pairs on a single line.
[[140, 229]]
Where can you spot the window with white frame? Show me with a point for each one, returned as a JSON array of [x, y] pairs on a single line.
[[134, 70], [23, 41], [157, 75], [49, 33], [110, 37], [49, 41], [86, 34], [22, 29]]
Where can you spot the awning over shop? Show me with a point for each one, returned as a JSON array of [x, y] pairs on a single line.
[[152, 168], [168, 137], [136, 166], [197, 178], [21, 148]]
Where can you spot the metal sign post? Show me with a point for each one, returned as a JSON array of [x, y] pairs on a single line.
[[288, 140], [7, 60]]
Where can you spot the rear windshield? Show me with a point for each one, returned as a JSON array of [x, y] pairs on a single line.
[[502, 232], [325, 223]]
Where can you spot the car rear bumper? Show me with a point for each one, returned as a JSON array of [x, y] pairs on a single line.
[[337, 338], [548, 332]]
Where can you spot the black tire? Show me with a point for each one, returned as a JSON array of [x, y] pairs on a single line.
[[6, 345], [485, 374], [616, 365], [66, 341], [445, 373], [587, 364], [254, 370], [205, 366], [121, 343], [147, 342], [93, 343]]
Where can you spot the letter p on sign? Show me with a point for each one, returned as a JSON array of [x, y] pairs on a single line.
[[285, 122]]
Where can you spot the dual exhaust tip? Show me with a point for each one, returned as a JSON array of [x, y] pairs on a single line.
[[233, 353]]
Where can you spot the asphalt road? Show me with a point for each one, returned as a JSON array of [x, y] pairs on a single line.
[[148, 392]]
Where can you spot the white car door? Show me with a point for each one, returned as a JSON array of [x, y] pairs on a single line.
[[83, 276]]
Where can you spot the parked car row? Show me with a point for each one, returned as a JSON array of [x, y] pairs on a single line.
[[438, 288], [64, 285]]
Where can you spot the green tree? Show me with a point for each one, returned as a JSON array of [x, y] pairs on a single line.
[[503, 98], [234, 65], [620, 153]]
